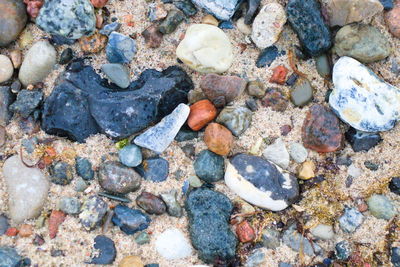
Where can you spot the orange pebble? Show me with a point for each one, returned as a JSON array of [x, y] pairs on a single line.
[[279, 75], [245, 232], [25, 230], [56, 218], [201, 113], [12, 231], [218, 139]]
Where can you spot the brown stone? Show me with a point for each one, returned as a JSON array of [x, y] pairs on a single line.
[[321, 131], [56, 219], [16, 58], [209, 19], [279, 75], [201, 113], [131, 261], [245, 232], [12, 20], [195, 96], [99, 3], [25, 230], [152, 36], [222, 90], [275, 99], [256, 88], [218, 139], [93, 44], [151, 203], [392, 19]]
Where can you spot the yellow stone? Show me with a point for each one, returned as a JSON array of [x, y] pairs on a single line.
[[208, 19], [131, 261], [306, 170]]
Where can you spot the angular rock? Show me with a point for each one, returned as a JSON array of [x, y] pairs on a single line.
[[26, 103], [392, 19], [362, 99], [130, 220], [116, 178], [171, 22], [267, 56], [151, 203], [173, 207], [6, 98], [154, 169], [27, 189], [186, 6], [12, 20], [92, 212], [350, 220], [209, 166], [297, 242], [277, 154], [120, 48], [221, 9], [362, 141], [173, 245], [236, 119], [297, 152], [109, 28], [261, 183], [117, 74], [105, 250]]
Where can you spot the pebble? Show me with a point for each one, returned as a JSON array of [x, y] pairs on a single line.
[[27, 189], [209, 212], [156, 169], [350, 220], [209, 19], [298, 152], [186, 6], [306, 20], [279, 75], [381, 207], [83, 168], [105, 251], [109, 28], [38, 63], [245, 232], [256, 88], [206, 49], [307, 170], [92, 212], [152, 36], [151, 203], [55, 40], [194, 181], [26, 103], [395, 256], [80, 185], [156, 12], [173, 207], [70, 205], [392, 20], [4, 225], [189, 150], [323, 231], [323, 65], [117, 73], [201, 113], [242, 27], [172, 245], [275, 99], [209, 166], [196, 95], [61, 173], [362, 141], [16, 58], [6, 68], [387, 4], [277, 153], [321, 130], [16, 87], [160, 136], [343, 250], [66, 56], [361, 99], [362, 42], [353, 171], [236, 119], [371, 165], [222, 90], [131, 261], [130, 220], [226, 25], [257, 258], [302, 93], [72, 19], [251, 104], [271, 238], [116, 178], [55, 220], [267, 56], [92, 44], [218, 139], [171, 22], [261, 183], [394, 185], [268, 25], [130, 156], [120, 48], [297, 242], [25, 230], [13, 21], [185, 134], [221, 9], [9, 257]]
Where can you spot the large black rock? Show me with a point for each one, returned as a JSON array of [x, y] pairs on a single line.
[[83, 104]]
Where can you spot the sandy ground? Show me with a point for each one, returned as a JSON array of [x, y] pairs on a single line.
[[323, 203]]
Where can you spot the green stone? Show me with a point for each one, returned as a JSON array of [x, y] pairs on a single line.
[[122, 143], [194, 181], [171, 22], [302, 93], [142, 238], [323, 65], [381, 207]]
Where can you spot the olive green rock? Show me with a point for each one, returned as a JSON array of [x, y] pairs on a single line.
[[362, 42], [12, 20], [302, 93]]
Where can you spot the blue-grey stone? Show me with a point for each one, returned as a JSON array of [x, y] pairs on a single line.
[[120, 48], [285, 264], [267, 56], [173, 207], [221, 9], [186, 6], [209, 166], [71, 19], [387, 4], [4, 225], [70, 205], [362, 141], [117, 73], [130, 220], [395, 256], [350, 220], [343, 250], [236, 119], [9, 257], [83, 168], [109, 28], [296, 241], [186, 134], [255, 259], [154, 169], [130, 156], [228, 25], [6, 98], [106, 251], [61, 173], [271, 238], [27, 101], [381, 207]]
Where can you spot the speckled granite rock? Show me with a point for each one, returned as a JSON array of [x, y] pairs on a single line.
[[116, 178], [12, 20], [222, 9], [236, 119], [92, 212]]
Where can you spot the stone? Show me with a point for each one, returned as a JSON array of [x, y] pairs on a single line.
[[343, 250], [120, 48], [131, 261], [279, 75], [84, 169], [322, 231], [130, 156], [306, 20], [252, 8], [117, 74], [99, 3], [245, 232], [392, 20], [186, 6], [38, 63], [130, 220], [277, 153], [154, 169], [267, 56], [171, 22], [296, 241], [27, 189], [236, 119], [92, 44], [25, 230], [209, 212], [361, 99], [151, 203], [6, 68], [242, 27], [350, 220], [92, 212], [209, 166], [342, 12], [80, 185], [362, 141], [261, 183], [55, 40], [302, 93], [268, 25], [387, 4], [66, 56], [323, 64], [173, 207], [251, 104], [222, 90], [206, 49], [362, 42], [142, 238], [152, 36], [156, 12], [194, 181], [70, 19], [275, 99], [255, 259], [16, 58], [201, 113], [4, 225], [298, 152], [394, 185], [160, 136], [195, 96], [209, 19], [12, 21], [70, 205], [354, 171], [371, 165], [105, 251], [186, 134], [395, 256], [9, 257], [116, 178], [56, 218], [172, 245], [81, 105], [321, 130], [307, 170], [109, 28], [381, 207], [221, 9], [27, 102], [218, 139], [256, 88], [271, 238], [61, 173]]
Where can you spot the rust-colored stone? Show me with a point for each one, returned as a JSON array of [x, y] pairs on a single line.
[[33, 7], [152, 36], [392, 19], [275, 99], [218, 139], [279, 75], [245, 232], [93, 44], [56, 219], [99, 3], [201, 113], [25, 230], [321, 131], [12, 231]]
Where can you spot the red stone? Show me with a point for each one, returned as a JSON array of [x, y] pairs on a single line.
[[56, 219], [12, 231], [392, 19], [245, 232], [321, 131], [279, 75], [201, 113], [275, 99], [33, 7]]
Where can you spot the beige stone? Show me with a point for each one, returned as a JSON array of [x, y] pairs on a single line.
[[306, 170], [6, 68], [209, 19], [131, 261]]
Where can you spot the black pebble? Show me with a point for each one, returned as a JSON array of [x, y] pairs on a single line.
[[66, 56], [371, 165], [394, 185], [362, 141]]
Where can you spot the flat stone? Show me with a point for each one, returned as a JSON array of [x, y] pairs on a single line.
[[173, 245], [116, 178], [27, 102], [277, 154], [392, 20], [302, 93], [105, 251], [362, 141], [381, 207], [236, 119], [130, 220], [12, 21], [84, 169], [350, 220], [117, 74], [92, 212], [221, 9], [154, 169], [130, 156], [260, 182], [9, 257], [361, 99], [6, 68], [298, 152], [27, 189], [209, 166], [297, 242], [151, 203], [206, 48]]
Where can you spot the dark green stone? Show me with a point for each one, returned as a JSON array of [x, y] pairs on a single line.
[[209, 166], [171, 22], [186, 7], [84, 169], [61, 173]]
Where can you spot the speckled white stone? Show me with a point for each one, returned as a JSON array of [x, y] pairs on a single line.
[[173, 245], [298, 152]]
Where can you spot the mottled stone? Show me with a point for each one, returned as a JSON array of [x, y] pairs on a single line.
[[350, 220], [381, 207], [236, 119], [93, 44], [151, 203], [61, 173], [130, 220], [83, 168], [221, 9], [9, 257], [392, 19], [343, 250], [105, 251], [154, 169], [186, 6], [130, 156], [271, 238], [275, 99], [109, 28], [362, 141], [92, 212], [256, 88], [171, 22], [26, 103], [156, 12], [152, 36], [277, 153], [70, 205], [12, 20], [173, 245], [116, 178], [209, 166], [120, 48]]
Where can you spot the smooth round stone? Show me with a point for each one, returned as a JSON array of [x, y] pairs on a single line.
[[209, 166], [361, 99], [38, 63], [71, 19], [350, 220], [323, 66], [268, 25], [261, 183], [362, 141], [322, 231], [277, 154], [116, 178], [362, 42], [256, 88], [206, 48], [6, 68], [117, 74], [302, 93], [70, 205], [12, 20], [120, 48], [172, 245], [236, 119], [151, 203], [92, 212], [298, 152], [130, 220], [156, 169], [394, 185], [381, 207], [130, 156], [84, 169]]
